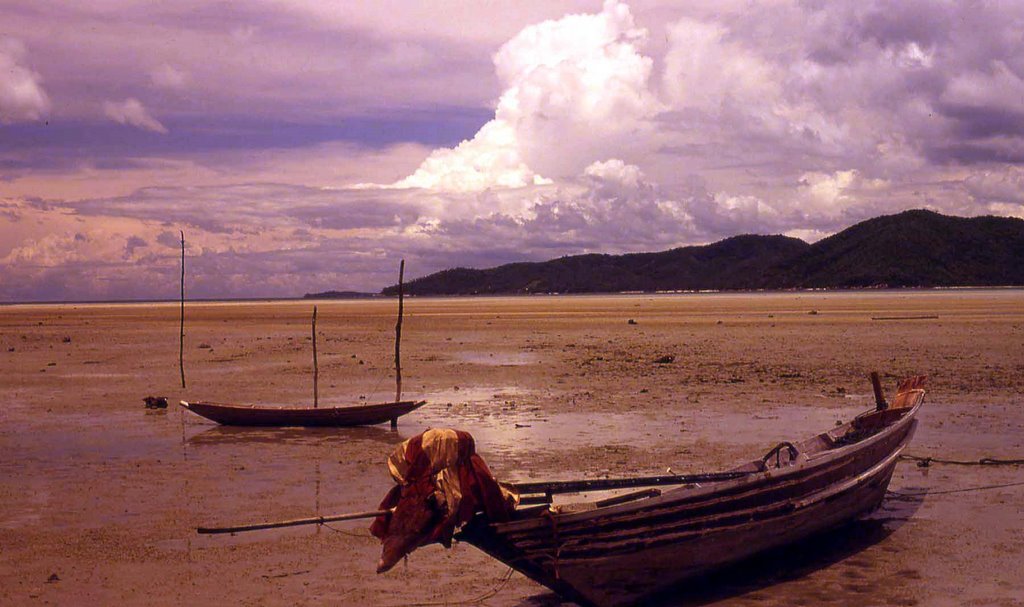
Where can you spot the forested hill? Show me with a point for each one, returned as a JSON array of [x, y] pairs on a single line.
[[913, 248]]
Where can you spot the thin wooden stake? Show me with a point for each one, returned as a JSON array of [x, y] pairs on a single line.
[[181, 333], [398, 342], [316, 367], [313, 520]]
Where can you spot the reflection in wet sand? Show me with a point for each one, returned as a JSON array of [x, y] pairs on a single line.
[[498, 359], [230, 435]]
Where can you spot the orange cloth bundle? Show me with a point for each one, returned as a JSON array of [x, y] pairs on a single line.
[[441, 484]]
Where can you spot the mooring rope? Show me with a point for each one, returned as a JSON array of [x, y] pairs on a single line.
[[924, 462], [962, 490]]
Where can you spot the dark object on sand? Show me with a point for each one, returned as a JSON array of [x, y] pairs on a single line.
[[250, 415], [155, 402], [622, 550], [665, 360]]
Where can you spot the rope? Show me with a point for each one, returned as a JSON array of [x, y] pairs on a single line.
[[379, 382], [343, 532], [473, 601], [963, 490], [924, 462]]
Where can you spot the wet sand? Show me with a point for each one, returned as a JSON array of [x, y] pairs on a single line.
[[99, 498]]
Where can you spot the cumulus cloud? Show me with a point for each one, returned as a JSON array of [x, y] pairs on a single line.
[[572, 88], [617, 130], [491, 158], [131, 112], [614, 170], [22, 97]]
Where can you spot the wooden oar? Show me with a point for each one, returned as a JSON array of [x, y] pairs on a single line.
[[313, 520]]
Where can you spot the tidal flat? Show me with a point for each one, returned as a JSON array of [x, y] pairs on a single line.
[[100, 497]]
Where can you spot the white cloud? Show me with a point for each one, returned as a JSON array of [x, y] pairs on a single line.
[[22, 97], [707, 70], [131, 112], [490, 159], [169, 77], [827, 195], [615, 170], [573, 88]]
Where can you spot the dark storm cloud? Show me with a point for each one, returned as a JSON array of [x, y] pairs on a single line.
[[67, 145]]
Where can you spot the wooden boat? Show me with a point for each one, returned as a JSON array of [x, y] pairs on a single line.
[[624, 549], [250, 415]]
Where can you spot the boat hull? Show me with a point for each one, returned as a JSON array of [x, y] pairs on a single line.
[[242, 415], [621, 555]]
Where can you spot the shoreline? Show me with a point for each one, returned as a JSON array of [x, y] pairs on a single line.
[[385, 298]]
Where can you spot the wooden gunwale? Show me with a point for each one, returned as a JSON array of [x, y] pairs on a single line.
[[654, 518], [649, 537], [666, 528]]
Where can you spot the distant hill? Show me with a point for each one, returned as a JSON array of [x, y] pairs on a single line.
[[913, 248], [339, 295]]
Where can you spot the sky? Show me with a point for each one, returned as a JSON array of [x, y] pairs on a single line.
[[304, 145]]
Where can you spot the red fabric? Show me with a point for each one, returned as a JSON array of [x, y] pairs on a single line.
[[480, 493], [379, 526]]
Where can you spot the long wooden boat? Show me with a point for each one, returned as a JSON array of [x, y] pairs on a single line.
[[250, 415], [622, 550]]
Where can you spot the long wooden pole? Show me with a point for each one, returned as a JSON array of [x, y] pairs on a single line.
[[313, 520], [181, 332], [398, 340], [316, 367]]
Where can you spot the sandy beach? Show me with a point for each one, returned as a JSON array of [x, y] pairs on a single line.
[[100, 498]]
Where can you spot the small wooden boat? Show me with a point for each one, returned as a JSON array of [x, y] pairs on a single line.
[[250, 415], [359, 415], [624, 549]]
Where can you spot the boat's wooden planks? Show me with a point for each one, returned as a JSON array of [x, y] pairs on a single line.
[[613, 539], [644, 537], [620, 554], [690, 502]]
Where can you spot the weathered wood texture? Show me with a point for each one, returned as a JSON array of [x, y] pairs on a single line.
[[620, 554], [316, 367]]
